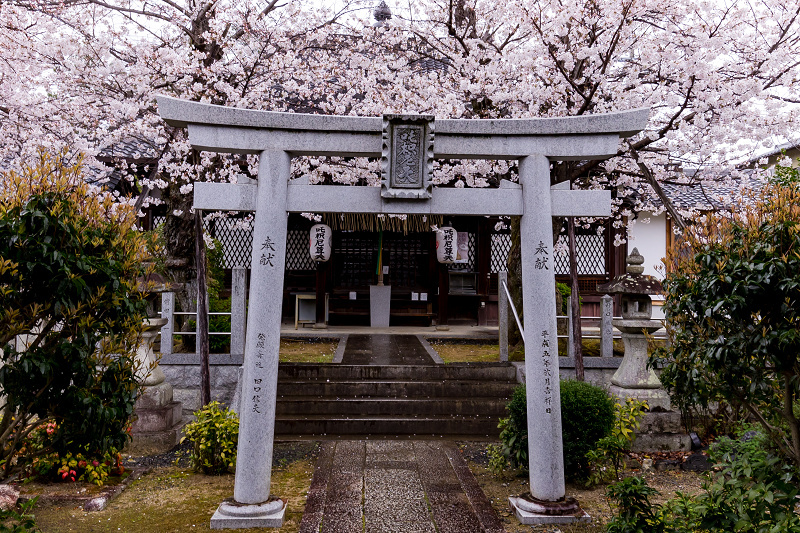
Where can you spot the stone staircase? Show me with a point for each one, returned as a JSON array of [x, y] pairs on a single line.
[[455, 400]]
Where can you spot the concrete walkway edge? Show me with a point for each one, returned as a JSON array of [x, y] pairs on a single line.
[[340, 348], [428, 348]]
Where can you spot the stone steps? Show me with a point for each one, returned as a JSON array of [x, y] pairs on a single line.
[[394, 388], [299, 405], [464, 371], [457, 401], [475, 426]]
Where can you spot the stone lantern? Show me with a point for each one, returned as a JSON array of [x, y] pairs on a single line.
[[633, 379], [156, 428]]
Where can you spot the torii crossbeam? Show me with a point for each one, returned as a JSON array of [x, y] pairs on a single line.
[[406, 145]]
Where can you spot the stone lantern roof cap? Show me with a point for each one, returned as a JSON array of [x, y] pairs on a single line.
[[382, 13], [633, 281]]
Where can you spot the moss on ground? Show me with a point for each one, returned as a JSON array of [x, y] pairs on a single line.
[[175, 499]]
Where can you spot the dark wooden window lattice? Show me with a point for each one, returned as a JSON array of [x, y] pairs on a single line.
[[297, 255], [407, 258], [501, 247], [235, 236], [590, 251], [354, 258]]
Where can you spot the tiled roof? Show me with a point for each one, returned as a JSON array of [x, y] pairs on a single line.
[[698, 195], [130, 148]]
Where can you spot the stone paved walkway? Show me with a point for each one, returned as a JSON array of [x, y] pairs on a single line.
[[391, 486], [385, 350]]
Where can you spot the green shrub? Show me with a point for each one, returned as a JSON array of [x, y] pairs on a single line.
[[214, 436], [635, 513], [69, 260], [733, 309], [19, 519], [587, 415], [749, 491], [70, 466], [605, 460], [497, 459], [514, 430]]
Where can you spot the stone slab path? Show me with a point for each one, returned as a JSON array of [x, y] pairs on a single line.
[[390, 486], [385, 350]]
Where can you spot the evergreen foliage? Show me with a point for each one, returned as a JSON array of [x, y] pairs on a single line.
[[733, 314], [587, 415], [71, 311]]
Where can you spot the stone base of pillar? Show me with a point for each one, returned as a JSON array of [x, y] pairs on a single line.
[[233, 515], [530, 511], [657, 399], [661, 431], [662, 442], [159, 421], [320, 325], [443, 327]]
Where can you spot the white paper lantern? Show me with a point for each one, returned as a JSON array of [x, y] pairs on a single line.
[[446, 239], [320, 240]]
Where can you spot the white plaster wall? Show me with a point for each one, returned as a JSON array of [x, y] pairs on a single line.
[[648, 233]]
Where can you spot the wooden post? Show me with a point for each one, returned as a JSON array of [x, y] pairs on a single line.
[[238, 309], [202, 309], [502, 315], [322, 267], [575, 299], [167, 332], [483, 267], [444, 289]]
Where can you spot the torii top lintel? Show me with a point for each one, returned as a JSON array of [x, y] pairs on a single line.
[[233, 130], [212, 128]]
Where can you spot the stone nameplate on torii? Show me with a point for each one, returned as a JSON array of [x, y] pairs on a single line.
[[406, 146]]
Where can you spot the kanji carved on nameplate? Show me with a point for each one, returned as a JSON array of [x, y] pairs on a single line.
[[407, 154]]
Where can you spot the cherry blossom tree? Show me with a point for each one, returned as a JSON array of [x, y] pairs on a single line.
[[720, 78]]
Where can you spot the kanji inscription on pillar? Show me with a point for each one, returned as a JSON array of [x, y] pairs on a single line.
[[547, 372], [267, 253], [541, 257]]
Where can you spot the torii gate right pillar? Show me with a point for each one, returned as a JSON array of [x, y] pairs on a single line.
[[547, 503], [545, 455]]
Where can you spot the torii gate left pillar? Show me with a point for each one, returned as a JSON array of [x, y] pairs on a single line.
[[406, 146]]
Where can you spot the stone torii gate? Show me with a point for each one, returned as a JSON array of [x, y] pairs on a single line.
[[406, 144]]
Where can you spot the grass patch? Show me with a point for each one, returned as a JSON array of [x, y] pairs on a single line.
[[466, 352], [452, 352], [302, 351], [173, 499], [591, 348]]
